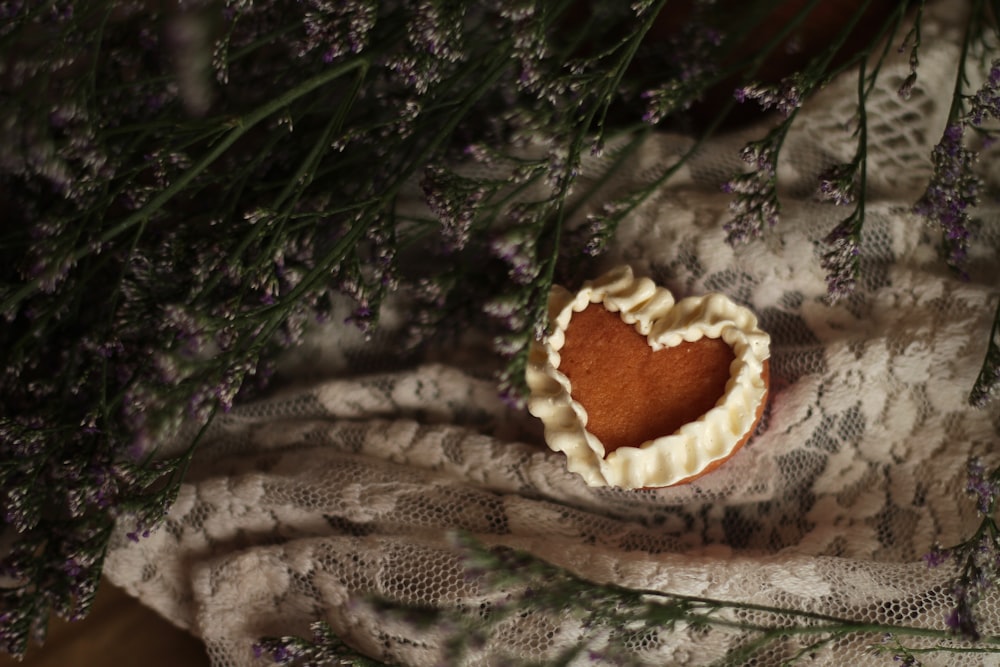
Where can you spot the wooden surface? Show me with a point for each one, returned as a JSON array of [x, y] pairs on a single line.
[[119, 631]]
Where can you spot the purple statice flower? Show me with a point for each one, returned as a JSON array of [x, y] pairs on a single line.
[[516, 247], [982, 485], [454, 200], [839, 184], [337, 29], [522, 19], [599, 227], [692, 62], [21, 504], [666, 99], [511, 391], [755, 206], [985, 103], [962, 618], [136, 535], [978, 557], [434, 36], [937, 556], [785, 97], [508, 309], [596, 232], [840, 260], [952, 190], [436, 29], [50, 271], [562, 169]]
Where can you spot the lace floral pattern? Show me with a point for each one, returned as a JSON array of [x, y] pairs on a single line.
[[349, 480]]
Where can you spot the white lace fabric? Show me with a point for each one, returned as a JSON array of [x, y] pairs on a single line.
[[350, 481]]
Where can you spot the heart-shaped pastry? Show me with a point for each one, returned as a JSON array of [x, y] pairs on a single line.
[[640, 391]]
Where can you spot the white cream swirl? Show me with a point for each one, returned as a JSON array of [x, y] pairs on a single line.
[[671, 458]]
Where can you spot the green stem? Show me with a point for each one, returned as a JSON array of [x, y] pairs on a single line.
[[633, 46], [887, 35], [862, 151], [956, 110], [303, 176]]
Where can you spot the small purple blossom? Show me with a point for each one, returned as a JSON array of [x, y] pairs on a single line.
[[840, 259], [962, 619], [665, 100], [952, 191], [985, 103], [753, 210], [455, 200], [982, 485], [135, 535], [337, 29], [839, 184], [937, 557], [692, 62], [516, 247], [755, 206], [785, 97]]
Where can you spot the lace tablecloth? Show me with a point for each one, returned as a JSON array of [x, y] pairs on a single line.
[[351, 480]]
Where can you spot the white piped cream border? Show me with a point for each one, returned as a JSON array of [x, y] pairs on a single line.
[[651, 309]]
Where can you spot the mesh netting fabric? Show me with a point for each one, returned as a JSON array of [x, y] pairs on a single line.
[[351, 479]]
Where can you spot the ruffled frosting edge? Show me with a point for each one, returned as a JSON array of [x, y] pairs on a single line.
[[652, 310]]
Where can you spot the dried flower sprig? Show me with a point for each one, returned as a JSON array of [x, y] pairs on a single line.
[[952, 192], [190, 186], [977, 559], [955, 186], [755, 206], [617, 624]]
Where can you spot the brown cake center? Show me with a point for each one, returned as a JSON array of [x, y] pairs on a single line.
[[630, 392]]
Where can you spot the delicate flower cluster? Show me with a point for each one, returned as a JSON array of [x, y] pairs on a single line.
[[784, 97], [840, 259], [839, 184], [953, 190], [983, 485], [985, 103], [517, 246], [337, 28], [755, 206], [978, 558], [666, 100], [617, 625], [455, 200], [691, 65], [434, 34]]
